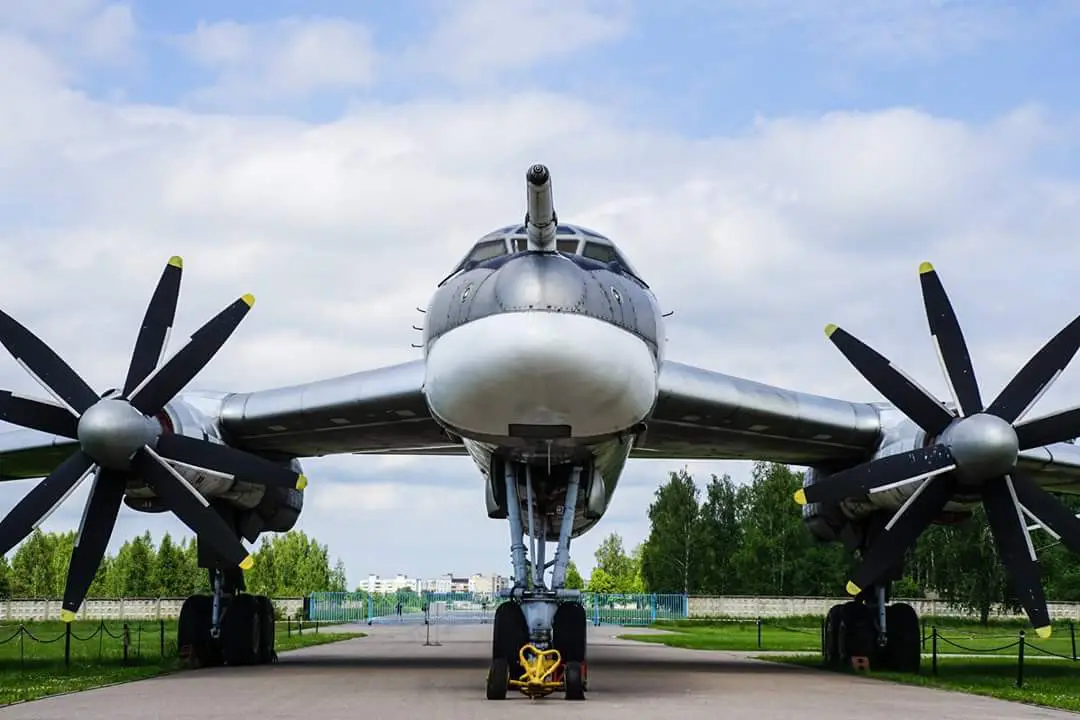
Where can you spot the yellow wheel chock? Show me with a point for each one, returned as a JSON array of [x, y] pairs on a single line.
[[539, 678]]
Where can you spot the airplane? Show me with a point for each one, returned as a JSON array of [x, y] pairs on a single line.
[[545, 361]]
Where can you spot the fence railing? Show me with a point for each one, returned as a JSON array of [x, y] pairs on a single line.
[[466, 608]]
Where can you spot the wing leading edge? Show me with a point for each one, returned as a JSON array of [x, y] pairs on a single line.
[[701, 414], [380, 411]]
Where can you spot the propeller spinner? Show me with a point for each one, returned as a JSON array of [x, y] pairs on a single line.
[[972, 450], [120, 439]]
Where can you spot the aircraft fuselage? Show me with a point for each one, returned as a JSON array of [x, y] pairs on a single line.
[[546, 359]]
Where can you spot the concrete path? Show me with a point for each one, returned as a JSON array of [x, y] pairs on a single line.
[[392, 674]]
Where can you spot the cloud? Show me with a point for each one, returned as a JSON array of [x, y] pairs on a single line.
[[81, 31], [477, 41], [917, 29], [281, 59], [341, 227]]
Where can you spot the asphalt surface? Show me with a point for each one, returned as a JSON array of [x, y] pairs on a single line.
[[393, 674]]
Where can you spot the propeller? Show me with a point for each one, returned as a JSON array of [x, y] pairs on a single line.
[[121, 440], [970, 450]]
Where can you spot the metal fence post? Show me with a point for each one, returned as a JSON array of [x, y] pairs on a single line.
[[67, 645], [1072, 635], [933, 645], [1020, 661], [126, 640], [759, 633]]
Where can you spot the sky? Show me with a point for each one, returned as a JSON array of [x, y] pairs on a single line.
[[770, 165]]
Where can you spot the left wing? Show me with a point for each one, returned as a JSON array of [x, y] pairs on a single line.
[[380, 411]]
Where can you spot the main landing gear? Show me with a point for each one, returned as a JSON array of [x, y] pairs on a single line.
[[229, 627], [869, 633], [539, 636]]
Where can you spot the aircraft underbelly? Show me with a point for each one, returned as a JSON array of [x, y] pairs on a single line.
[[538, 368]]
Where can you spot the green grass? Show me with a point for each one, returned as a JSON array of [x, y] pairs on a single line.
[[32, 665], [804, 635], [1050, 683]]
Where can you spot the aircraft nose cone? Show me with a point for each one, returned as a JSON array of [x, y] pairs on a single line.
[[540, 282], [984, 446], [110, 431]]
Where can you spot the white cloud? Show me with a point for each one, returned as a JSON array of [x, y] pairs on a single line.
[[478, 40], [342, 228], [80, 31], [884, 29], [282, 59]]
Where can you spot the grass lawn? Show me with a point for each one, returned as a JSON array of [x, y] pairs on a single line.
[[32, 662], [804, 635], [1047, 682]]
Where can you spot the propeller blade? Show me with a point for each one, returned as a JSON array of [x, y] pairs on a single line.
[[191, 507], [1049, 510], [877, 475], [150, 397], [951, 348], [1049, 429], [39, 502], [37, 415], [206, 455], [98, 521], [1016, 551], [48, 369], [915, 402], [901, 532], [1036, 377], [158, 321]]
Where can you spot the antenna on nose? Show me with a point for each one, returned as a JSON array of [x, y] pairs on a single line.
[[540, 220]]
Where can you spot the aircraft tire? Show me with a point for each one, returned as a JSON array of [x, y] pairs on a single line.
[[904, 650], [193, 632], [241, 631]]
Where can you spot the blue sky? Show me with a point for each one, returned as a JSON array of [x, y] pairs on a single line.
[[772, 165]]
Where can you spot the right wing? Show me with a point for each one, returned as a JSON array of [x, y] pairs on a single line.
[[703, 414]]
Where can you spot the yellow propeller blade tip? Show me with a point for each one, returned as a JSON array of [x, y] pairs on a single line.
[[800, 496], [829, 330], [925, 268], [301, 482], [176, 261], [1044, 632], [249, 299], [853, 589], [247, 563], [67, 616]]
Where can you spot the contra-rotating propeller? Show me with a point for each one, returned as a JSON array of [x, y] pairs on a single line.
[[972, 450], [120, 437]]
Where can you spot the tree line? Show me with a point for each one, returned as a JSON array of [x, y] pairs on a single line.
[[286, 565], [749, 539]]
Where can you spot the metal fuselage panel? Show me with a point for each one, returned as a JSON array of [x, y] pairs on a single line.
[[545, 359]]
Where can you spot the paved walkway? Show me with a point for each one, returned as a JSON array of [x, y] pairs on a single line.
[[392, 674]]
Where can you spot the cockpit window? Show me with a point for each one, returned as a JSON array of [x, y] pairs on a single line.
[[487, 250], [600, 253], [567, 247]]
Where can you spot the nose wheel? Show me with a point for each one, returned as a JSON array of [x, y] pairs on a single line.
[[539, 634]]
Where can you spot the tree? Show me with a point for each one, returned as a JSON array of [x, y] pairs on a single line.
[[290, 564], [132, 572], [5, 577], [574, 581], [672, 560], [601, 582], [721, 535], [33, 572], [338, 581], [170, 575]]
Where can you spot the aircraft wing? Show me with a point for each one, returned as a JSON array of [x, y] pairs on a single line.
[[701, 414], [380, 411]]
